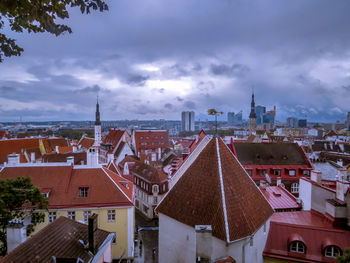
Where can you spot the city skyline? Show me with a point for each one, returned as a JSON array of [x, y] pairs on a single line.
[[154, 60]]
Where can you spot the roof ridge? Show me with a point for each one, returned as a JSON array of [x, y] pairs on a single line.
[[103, 168], [222, 190]]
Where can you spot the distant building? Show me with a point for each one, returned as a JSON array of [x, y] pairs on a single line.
[[260, 111], [348, 121], [97, 126], [238, 119], [302, 123], [230, 118], [187, 120], [292, 122], [149, 141], [252, 116]]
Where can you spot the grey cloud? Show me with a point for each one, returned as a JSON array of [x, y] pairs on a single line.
[[190, 105], [94, 89], [179, 99], [138, 80], [229, 71], [168, 106]]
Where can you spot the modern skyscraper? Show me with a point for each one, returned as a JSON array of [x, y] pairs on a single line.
[[187, 120], [97, 126], [230, 118], [260, 111], [238, 118], [252, 115], [292, 122]]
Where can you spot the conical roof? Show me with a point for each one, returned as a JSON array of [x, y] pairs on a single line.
[[216, 190]]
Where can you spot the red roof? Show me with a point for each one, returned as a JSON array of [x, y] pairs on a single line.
[[151, 139], [215, 190], [313, 229], [113, 137], [16, 146], [279, 198], [86, 142], [5, 134], [104, 186]]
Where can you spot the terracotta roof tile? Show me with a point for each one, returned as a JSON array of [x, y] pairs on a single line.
[[79, 157], [86, 142], [218, 193], [59, 239], [16, 146], [65, 182], [279, 198]]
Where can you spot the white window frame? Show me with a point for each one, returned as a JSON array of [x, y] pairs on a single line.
[[294, 188], [86, 215], [155, 188], [291, 173], [83, 191], [71, 215], [306, 172], [332, 251], [297, 247], [111, 216], [52, 216]]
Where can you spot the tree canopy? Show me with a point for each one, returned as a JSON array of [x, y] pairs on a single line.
[[19, 199], [36, 16]]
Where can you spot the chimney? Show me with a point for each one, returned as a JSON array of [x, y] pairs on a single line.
[[70, 160], [74, 149], [263, 184], [204, 246], [92, 227], [341, 188], [279, 181], [110, 157], [57, 150], [126, 169], [32, 157], [316, 176], [342, 174], [92, 157], [16, 234], [159, 153], [13, 159]]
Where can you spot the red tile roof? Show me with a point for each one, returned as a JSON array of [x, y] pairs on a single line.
[[279, 198], [105, 188], [314, 230], [215, 190], [61, 239], [17, 145], [151, 139], [5, 134], [57, 141], [65, 149], [86, 142], [79, 157], [113, 137]]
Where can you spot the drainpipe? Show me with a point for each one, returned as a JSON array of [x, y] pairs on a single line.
[[244, 245]]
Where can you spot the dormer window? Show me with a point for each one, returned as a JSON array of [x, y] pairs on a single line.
[[332, 251], [83, 191], [298, 247]]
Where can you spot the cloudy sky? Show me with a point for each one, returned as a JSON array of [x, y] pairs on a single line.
[[151, 59]]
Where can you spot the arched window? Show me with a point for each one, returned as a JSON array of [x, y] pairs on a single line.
[[297, 246], [295, 188], [332, 251]]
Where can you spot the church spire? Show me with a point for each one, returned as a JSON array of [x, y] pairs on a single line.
[[252, 108], [97, 121]]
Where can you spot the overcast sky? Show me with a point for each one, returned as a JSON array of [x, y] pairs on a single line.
[[151, 59]]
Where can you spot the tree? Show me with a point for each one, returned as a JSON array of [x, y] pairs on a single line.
[[19, 199], [344, 258], [36, 16]]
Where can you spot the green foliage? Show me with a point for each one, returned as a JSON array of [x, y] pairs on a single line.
[[18, 199], [36, 16], [345, 258], [74, 134]]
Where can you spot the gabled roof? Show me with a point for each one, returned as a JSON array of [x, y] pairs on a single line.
[[5, 134], [86, 142], [104, 186], [215, 190], [61, 239], [57, 141], [79, 157], [16, 146], [113, 137], [270, 154]]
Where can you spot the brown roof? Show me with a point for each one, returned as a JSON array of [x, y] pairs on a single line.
[[270, 153], [16, 146], [64, 181], [5, 134], [113, 137], [144, 171], [215, 190], [79, 157], [60, 239], [57, 141], [151, 139]]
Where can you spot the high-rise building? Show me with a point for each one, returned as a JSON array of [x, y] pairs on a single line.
[[348, 121], [187, 120], [260, 111], [302, 123], [252, 116], [238, 118], [292, 122], [97, 126], [230, 118]]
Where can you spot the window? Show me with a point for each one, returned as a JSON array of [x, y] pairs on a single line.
[[291, 172], [155, 200], [306, 172], [52, 216], [114, 241], [145, 209], [262, 172], [111, 215], [155, 188], [86, 215], [297, 246], [45, 195], [295, 188], [332, 251], [83, 191], [163, 187], [71, 215], [249, 172], [137, 203], [277, 172]]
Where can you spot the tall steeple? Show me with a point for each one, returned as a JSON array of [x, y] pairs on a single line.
[[97, 125], [252, 115], [97, 121]]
